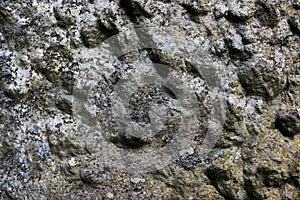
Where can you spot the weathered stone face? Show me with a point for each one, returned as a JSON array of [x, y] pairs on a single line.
[[137, 99]]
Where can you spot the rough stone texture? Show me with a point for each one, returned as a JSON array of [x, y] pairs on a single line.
[[50, 149]]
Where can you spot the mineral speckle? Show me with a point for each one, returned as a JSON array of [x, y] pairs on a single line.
[[61, 142]]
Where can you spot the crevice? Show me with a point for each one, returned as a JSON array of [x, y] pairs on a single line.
[[266, 14], [235, 19], [237, 54], [194, 11], [133, 10], [128, 142], [294, 27], [281, 128]]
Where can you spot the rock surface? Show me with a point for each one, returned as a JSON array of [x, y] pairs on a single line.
[[140, 99]]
